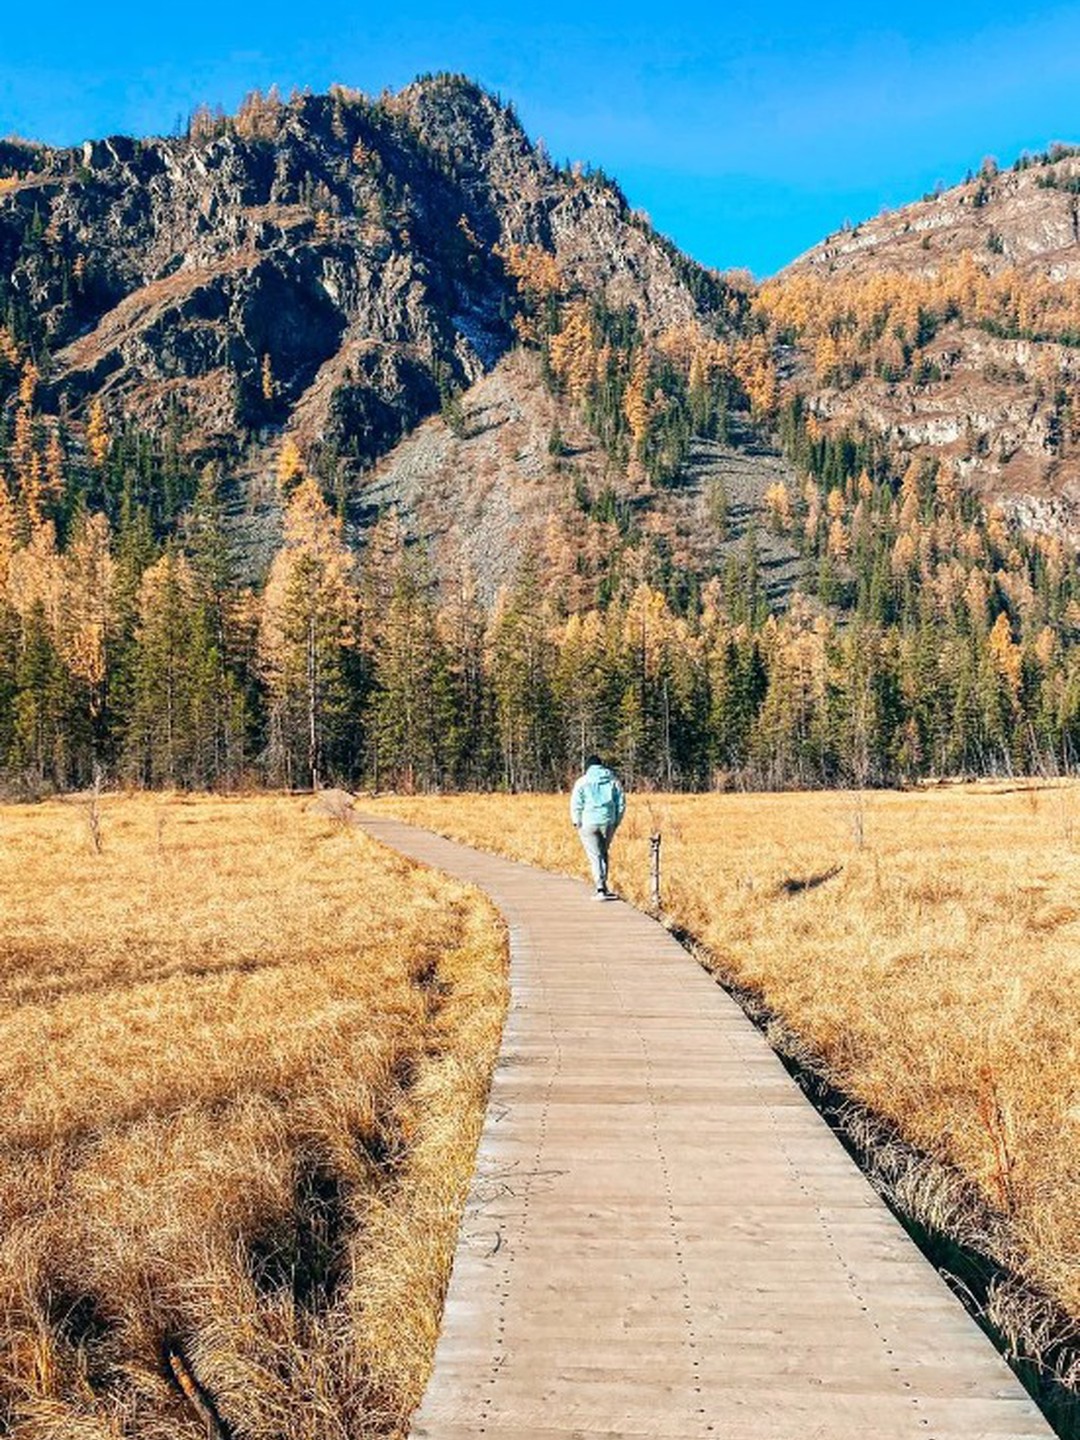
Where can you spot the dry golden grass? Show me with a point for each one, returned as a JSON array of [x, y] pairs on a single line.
[[925, 947], [248, 1052]]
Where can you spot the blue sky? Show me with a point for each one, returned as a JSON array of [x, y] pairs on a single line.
[[746, 133]]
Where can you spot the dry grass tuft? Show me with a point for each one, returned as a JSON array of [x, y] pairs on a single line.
[[250, 1052], [928, 957]]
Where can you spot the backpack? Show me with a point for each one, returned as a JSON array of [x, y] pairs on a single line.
[[600, 799]]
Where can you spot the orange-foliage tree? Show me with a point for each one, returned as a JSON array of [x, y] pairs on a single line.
[[307, 632]]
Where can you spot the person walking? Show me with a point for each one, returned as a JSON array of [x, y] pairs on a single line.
[[597, 804]]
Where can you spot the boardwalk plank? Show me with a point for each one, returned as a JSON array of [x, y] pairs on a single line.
[[663, 1239]]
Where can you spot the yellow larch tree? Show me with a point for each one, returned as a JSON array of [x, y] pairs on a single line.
[[682, 343], [636, 405], [698, 374], [290, 464], [23, 457], [308, 623], [1045, 646], [778, 506], [997, 530], [10, 355], [904, 554], [98, 436], [948, 490], [839, 541], [826, 358], [88, 575], [580, 674], [812, 500], [977, 598], [1005, 654], [756, 371], [573, 351], [35, 577], [28, 384], [259, 115], [267, 383], [33, 490], [8, 533], [55, 462], [535, 271]]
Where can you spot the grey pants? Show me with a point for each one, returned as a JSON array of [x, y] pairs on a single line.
[[595, 840]]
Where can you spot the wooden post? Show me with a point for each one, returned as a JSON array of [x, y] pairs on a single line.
[[654, 870]]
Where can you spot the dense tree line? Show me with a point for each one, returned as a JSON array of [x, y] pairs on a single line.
[[929, 637]]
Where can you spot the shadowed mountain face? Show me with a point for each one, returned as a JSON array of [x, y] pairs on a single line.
[[332, 269]]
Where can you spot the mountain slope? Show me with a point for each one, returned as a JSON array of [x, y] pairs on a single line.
[[951, 328], [332, 269], [336, 268], [482, 498], [351, 437]]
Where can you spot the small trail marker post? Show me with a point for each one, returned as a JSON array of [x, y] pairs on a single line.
[[654, 870]]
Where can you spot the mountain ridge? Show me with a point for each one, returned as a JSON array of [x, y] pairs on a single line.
[[296, 273], [951, 327], [349, 437], [331, 270]]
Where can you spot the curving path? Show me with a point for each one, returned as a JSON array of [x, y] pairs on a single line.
[[663, 1238]]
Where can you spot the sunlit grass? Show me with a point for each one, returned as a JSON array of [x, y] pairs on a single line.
[[247, 1052]]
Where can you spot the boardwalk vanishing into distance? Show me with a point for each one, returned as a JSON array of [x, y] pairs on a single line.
[[663, 1238]]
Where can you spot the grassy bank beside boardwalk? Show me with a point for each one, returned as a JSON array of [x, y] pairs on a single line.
[[245, 1053]]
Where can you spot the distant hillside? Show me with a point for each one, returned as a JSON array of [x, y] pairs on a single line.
[[951, 328]]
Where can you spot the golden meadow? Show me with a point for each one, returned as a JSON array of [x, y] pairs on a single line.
[[245, 1054], [250, 1051], [924, 947]]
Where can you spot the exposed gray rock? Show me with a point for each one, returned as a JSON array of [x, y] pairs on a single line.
[[328, 267]]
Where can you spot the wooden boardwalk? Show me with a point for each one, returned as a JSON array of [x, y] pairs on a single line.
[[663, 1238]]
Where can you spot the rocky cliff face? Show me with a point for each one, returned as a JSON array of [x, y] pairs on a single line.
[[329, 267], [334, 268], [979, 288]]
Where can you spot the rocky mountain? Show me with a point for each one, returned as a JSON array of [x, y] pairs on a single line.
[[331, 271], [340, 284], [601, 497], [951, 328]]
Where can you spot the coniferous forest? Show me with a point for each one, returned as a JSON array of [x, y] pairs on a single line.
[[929, 637], [927, 633]]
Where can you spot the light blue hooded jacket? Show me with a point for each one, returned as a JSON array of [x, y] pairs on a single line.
[[597, 798]]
